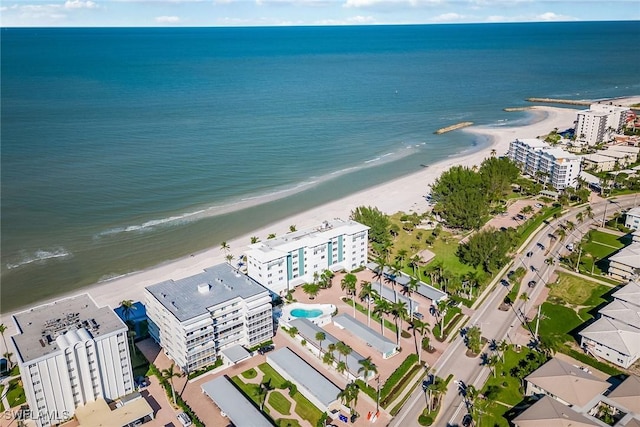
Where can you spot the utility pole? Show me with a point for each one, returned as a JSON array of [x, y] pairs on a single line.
[[578, 263], [537, 324], [378, 396], [604, 215]]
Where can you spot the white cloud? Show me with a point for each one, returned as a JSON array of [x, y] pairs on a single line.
[[448, 17], [390, 3], [168, 19], [306, 3], [79, 4], [550, 16], [354, 20]]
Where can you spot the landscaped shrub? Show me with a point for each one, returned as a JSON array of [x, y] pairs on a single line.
[[367, 389], [425, 420], [203, 371], [398, 374], [405, 334]]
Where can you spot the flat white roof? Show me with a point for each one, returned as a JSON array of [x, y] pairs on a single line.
[[232, 402], [361, 331], [615, 154], [193, 296], [279, 247], [307, 330], [598, 158], [629, 256], [304, 374]]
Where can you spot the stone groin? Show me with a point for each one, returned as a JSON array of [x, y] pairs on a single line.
[[561, 101], [453, 127], [510, 109]]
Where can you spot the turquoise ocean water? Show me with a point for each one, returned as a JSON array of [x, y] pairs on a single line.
[[121, 146]]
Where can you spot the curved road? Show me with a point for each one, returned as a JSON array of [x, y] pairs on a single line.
[[498, 325]]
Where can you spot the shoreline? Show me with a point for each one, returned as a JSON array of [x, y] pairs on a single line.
[[401, 194]]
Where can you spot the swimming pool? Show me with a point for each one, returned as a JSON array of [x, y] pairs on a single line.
[[307, 314], [320, 314]]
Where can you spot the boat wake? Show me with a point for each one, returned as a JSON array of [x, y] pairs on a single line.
[[38, 256]]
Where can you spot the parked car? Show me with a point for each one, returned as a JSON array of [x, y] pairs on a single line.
[[418, 315], [467, 421], [529, 254], [538, 205], [531, 283], [266, 349], [570, 246], [533, 268], [541, 246], [184, 419], [504, 282]]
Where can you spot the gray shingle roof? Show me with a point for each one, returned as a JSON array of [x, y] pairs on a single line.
[[611, 333], [548, 412], [192, 296]]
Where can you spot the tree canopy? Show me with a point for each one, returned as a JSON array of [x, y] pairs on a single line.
[[488, 249], [463, 196], [377, 222]]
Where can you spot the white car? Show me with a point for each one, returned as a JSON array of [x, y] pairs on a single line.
[[184, 419], [570, 246]]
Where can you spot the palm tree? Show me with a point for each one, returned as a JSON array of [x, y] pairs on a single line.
[[411, 286], [441, 311], [399, 311], [589, 211], [420, 327], [229, 258], [392, 275], [414, 263], [127, 307], [311, 289], [502, 348], [254, 239], [271, 236], [224, 246], [381, 308], [493, 152], [328, 358], [292, 228], [169, 374], [524, 297], [330, 349], [320, 336], [263, 391], [436, 389], [367, 293], [348, 284], [341, 366], [492, 362], [380, 263], [3, 329], [344, 349], [401, 256], [367, 367], [7, 355]]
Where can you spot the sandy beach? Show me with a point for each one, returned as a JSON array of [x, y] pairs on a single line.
[[403, 194]]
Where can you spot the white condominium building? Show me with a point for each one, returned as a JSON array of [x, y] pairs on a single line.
[[553, 166], [194, 318], [71, 352], [594, 124], [285, 262]]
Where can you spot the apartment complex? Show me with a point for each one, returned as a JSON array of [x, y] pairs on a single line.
[[632, 219], [283, 263], [71, 353], [194, 318], [549, 165], [598, 122], [615, 336]]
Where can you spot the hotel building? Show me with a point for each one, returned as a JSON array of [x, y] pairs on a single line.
[[285, 262], [195, 318], [71, 353], [552, 166], [594, 124]]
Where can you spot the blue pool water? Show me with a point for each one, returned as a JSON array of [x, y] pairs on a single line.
[[307, 314]]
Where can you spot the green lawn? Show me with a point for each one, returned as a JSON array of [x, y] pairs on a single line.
[[446, 253], [573, 290], [304, 408], [279, 403], [250, 373], [15, 395], [598, 246], [1, 404], [287, 422], [504, 387], [556, 323]]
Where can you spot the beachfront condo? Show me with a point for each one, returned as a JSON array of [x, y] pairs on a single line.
[[599, 122], [547, 164], [196, 318], [285, 262], [71, 354]]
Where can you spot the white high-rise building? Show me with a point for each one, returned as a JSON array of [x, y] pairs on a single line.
[[285, 262], [195, 318], [593, 125], [71, 352], [549, 165]]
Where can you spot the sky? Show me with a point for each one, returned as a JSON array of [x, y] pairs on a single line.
[[236, 13]]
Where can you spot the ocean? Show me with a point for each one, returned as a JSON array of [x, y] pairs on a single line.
[[126, 147]]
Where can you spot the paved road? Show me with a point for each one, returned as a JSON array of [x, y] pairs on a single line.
[[498, 325]]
